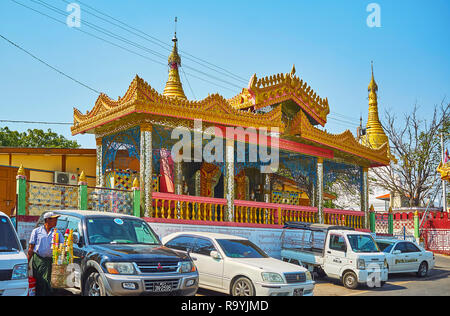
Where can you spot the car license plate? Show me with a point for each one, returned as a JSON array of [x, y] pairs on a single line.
[[298, 292], [162, 287]]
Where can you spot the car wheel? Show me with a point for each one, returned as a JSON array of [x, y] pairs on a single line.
[[350, 280], [243, 287], [94, 285], [423, 270]]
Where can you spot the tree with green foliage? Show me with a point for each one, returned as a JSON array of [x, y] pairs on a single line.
[[34, 138]]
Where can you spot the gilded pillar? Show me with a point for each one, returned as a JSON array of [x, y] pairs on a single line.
[[267, 186], [320, 215], [229, 180], [178, 179], [267, 196], [146, 169], [100, 177], [365, 196]]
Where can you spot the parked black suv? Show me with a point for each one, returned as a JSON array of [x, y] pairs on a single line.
[[118, 254]]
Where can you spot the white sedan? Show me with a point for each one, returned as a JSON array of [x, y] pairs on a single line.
[[405, 256], [234, 265]]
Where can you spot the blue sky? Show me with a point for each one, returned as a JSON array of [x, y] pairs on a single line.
[[328, 41]]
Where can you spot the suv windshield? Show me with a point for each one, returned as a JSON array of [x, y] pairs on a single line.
[[110, 230], [362, 243], [8, 239], [236, 248]]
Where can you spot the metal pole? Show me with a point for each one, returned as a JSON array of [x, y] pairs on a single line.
[[444, 185]]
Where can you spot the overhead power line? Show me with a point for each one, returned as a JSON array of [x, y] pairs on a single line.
[[124, 26], [34, 122], [160, 43], [48, 65], [129, 42], [108, 33]]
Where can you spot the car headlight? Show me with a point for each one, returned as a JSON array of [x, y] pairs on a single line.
[[186, 267], [20, 272], [271, 277], [120, 268], [308, 276], [361, 264]]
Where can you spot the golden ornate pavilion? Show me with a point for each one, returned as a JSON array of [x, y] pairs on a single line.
[[133, 137]]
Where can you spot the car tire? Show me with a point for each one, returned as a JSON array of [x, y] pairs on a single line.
[[423, 270], [94, 285], [243, 287], [350, 280]]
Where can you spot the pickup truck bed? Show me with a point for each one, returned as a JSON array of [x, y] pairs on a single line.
[[303, 256]]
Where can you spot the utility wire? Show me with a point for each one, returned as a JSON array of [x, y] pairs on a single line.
[[187, 80], [120, 38], [48, 65], [34, 122], [342, 119], [162, 44], [117, 45]]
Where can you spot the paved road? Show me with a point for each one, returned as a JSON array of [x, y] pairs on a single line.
[[437, 283], [406, 284]]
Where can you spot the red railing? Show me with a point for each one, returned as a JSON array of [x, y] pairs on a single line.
[[269, 213], [182, 207]]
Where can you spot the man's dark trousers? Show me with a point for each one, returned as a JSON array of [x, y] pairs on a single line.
[[42, 272]]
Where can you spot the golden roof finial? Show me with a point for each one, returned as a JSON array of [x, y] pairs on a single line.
[[174, 88], [82, 178], [375, 135], [21, 171], [293, 70], [373, 85], [136, 183]]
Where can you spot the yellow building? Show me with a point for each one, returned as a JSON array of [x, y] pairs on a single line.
[[42, 165]]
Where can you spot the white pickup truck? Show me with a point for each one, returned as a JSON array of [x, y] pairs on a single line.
[[13, 261], [335, 251]]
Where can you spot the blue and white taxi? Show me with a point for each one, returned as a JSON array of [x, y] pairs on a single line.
[[405, 256]]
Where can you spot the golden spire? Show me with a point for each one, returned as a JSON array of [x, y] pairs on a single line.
[[375, 135], [174, 87]]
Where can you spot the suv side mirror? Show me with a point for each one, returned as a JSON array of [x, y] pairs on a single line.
[[215, 255], [77, 240], [396, 252]]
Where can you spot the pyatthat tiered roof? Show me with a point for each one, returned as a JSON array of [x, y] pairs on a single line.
[[283, 102]]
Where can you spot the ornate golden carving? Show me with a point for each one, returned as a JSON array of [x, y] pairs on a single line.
[[141, 98], [444, 170], [174, 88], [281, 87], [375, 136], [345, 142]]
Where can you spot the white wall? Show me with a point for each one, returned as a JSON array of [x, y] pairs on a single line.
[[267, 239]]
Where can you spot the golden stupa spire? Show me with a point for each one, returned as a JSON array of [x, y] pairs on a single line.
[[375, 135], [174, 87]]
